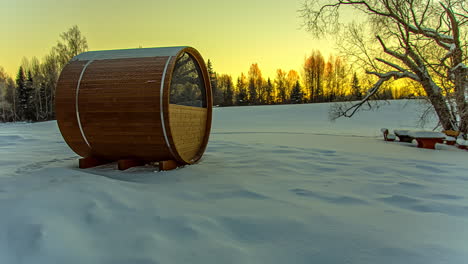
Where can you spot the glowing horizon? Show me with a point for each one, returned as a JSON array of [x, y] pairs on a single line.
[[233, 35]]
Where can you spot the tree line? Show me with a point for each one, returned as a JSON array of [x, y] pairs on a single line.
[[320, 80], [31, 95]]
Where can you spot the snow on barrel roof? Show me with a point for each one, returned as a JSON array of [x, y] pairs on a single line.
[[128, 53]]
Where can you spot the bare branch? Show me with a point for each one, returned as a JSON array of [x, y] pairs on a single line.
[[404, 72], [402, 57], [396, 75], [423, 16], [351, 110]]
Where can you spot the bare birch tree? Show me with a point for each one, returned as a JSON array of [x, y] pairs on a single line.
[[314, 69], [421, 40], [71, 43]]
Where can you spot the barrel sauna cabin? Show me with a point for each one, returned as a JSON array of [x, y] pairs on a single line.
[[135, 106]]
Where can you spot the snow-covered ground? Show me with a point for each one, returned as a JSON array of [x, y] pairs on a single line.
[[277, 184]]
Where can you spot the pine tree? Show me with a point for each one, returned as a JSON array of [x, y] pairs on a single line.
[[296, 94], [30, 111], [22, 94], [217, 94], [228, 93]]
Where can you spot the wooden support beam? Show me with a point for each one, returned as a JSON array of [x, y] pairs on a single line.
[[167, 165], [129, 163], [90, 162]]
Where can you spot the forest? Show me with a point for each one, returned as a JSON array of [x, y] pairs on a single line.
[[29, 96], [319, 80]]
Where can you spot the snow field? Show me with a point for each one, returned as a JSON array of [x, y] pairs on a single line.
[[277, 184]]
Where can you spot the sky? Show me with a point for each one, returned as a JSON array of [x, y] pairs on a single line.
[[232, 34]]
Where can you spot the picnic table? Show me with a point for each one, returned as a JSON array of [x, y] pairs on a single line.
[[427, 139]]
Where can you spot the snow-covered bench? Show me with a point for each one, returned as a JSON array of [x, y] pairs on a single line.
[[427, 139], [403, 135]]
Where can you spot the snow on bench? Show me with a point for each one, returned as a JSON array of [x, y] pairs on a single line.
[[427, 139], [426, 134]]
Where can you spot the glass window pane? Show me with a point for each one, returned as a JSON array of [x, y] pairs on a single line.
[[187, 86]]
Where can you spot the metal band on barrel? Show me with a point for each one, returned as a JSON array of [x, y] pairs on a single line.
[[162, 108], [76, 103]]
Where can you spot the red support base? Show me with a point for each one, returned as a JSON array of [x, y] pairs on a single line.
[[167, 165], [129, 163], [90, 162], [124, 164]]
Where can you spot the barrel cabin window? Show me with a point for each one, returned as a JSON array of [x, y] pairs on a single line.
[[187, 85]]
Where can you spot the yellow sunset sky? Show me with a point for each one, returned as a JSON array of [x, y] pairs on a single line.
[[232, 34]]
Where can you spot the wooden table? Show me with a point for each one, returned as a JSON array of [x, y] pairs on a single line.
[[427, 139]]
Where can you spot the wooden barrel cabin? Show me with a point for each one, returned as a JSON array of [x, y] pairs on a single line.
[[135, 106]]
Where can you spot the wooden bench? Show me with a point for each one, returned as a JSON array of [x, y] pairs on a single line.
[[403, 135], [427, 139]]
